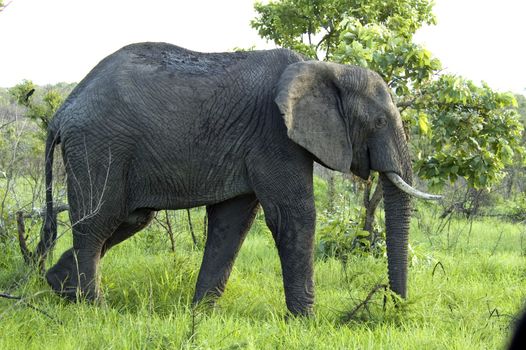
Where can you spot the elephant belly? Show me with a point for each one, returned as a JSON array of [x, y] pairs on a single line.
[[178, 189]]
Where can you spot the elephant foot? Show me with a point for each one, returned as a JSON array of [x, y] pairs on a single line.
[[68, 282], [300, 301], [300, 311], [208, 297], [206, 300]]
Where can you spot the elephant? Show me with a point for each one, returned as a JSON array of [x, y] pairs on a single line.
[[155, 126], [518, 338]]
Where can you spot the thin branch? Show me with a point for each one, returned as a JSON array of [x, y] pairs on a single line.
[[194, 239], [435, 268], [9, 296], [170, 230], [6, 124], [370, 204], [26, 254], [350, 315], [21, 300], [494, 250], [41, 212], [205, 226], [403, 105]]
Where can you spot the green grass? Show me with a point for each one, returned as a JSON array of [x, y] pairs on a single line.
[[465, 287]]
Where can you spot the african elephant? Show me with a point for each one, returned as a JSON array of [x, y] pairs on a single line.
[[155, 126]]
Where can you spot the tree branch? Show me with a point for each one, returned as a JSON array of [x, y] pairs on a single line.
[[28, 256], [31, 257], [36, 212], [194, 239], [6, 124]]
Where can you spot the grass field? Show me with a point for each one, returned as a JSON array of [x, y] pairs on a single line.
[[466, 284]]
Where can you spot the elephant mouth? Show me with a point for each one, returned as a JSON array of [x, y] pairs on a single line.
[[362, 173], [361, 165]]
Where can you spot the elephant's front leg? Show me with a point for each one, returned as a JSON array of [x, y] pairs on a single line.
[[293, 230], [228, 224], [283, 185]]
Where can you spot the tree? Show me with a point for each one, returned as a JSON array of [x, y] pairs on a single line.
[[315, 27], [379, 35], [41, 103], [25, 111], [468, 131]]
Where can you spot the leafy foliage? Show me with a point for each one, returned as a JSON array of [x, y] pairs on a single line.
[[314, 27], [25, 111], [521, 106], [22, 92], [41, 103], [404, 65], [341, 233], [468, 131]]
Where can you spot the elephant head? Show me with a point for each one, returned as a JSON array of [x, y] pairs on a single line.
[[345, 116]]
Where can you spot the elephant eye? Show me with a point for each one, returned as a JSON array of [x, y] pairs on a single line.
[[380, 122]]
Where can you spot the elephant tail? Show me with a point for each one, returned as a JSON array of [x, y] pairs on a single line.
[[48, 234]]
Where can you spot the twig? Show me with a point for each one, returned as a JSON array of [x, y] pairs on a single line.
[[497, 243], [9, 296], [6, 124], [58, 208], [350, 315], [495, 313], [26, 254], [31, 257], [403, 105], [194, 239], [29, 305], [205, 226], [371, 202], [437, 265], [192, 336], [471, 217], [170, 230]]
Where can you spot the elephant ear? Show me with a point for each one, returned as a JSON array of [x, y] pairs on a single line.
[[308, 98]]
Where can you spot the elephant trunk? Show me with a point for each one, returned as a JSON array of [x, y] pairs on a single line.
[[397, 204]]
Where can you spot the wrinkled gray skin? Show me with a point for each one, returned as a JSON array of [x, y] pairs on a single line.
[[154, 126]]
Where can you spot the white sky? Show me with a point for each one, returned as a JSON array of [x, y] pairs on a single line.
[[61, 40]]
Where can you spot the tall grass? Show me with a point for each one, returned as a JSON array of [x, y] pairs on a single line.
[[466, 285]]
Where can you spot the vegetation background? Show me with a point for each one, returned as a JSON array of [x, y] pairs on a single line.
[[467, 275]]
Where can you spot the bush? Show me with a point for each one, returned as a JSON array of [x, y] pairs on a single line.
[[341, 234]]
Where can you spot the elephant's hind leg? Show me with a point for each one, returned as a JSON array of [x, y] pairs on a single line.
[[95, 213], [228, 224], [75, 275]]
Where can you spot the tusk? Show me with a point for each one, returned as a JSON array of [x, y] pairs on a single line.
[[403, 186]]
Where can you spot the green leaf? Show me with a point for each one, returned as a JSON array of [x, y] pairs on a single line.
[[423, 123]]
